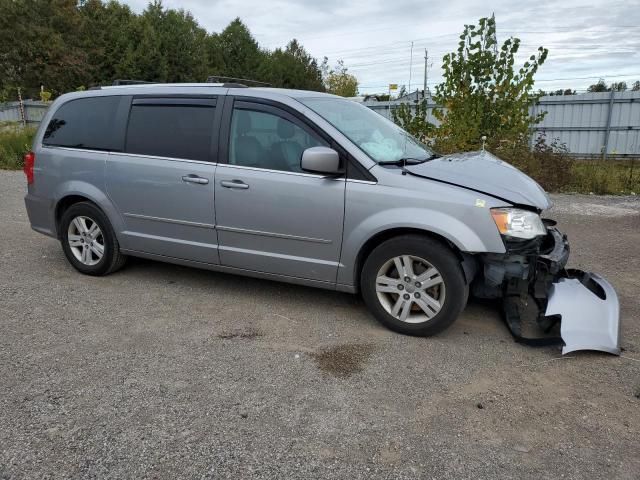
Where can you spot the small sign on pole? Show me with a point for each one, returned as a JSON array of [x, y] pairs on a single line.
[[393, 88]]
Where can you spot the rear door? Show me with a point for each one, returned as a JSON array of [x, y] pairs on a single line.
[[163, 182], [271, 216]]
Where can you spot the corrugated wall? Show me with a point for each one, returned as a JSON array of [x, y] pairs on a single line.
[[579, 121], [33, 112]]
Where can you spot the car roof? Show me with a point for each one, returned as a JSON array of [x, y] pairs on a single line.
[[165, 88]]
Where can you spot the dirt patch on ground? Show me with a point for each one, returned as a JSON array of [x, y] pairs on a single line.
[[246, 334], [342, 361]]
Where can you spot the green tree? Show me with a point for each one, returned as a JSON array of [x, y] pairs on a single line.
[[619, 86], [636, 86], [483, 93], [599, 86], [106, 37], [241, 55], [338, 81], [40, 44], [292, 67], [66, 44], [144, 58], [415, 122], [566, 91]]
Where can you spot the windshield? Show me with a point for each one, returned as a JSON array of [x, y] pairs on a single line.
[[378, 137]]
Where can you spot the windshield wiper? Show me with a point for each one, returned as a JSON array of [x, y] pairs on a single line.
[[405, 161]]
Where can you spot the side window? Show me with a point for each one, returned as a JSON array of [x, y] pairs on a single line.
[[84, 123], [177, 131], [265, 140]]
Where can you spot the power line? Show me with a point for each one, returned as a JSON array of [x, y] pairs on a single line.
[[548, 79]]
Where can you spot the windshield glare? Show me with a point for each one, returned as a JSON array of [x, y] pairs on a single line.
[[378, 137]]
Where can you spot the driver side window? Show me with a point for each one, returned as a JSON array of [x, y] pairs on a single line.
[[264, 140]]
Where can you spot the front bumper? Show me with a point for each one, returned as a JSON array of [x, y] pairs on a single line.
[[589, 310], [585, 304]]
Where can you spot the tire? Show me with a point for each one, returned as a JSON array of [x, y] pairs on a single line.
[[75, 242], [436, 285]]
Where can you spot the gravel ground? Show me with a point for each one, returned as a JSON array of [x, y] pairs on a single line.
[[160, 371]]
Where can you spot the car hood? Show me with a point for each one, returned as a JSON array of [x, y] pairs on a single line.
[[484, 172]]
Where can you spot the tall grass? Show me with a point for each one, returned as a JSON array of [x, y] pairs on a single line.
[[15, 141], [551, 166], [604, 177]]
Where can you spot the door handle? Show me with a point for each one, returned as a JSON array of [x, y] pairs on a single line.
[[234, 184], [195, 179]]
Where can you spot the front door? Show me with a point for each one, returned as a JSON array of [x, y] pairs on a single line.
[[271, 216], [163, 182]]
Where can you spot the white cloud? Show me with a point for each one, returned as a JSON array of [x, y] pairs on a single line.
[[601, 38]]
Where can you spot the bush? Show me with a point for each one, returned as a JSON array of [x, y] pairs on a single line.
[[15, 141], [550, 165]]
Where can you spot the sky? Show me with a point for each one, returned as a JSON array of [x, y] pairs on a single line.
[[586, 40]]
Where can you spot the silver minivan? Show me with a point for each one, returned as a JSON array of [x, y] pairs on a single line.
[[307, 188]]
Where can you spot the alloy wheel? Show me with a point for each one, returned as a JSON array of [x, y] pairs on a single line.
[[86, 240], [410, 289]]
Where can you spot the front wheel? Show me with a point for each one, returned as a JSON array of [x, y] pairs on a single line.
[[414, 285]]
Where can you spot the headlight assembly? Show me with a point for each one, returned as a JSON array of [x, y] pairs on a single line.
[[514, 222]]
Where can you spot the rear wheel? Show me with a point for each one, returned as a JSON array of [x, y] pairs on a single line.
[[88, 240], [414, 285]]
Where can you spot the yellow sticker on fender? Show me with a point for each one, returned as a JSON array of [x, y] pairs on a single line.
[[480, 203]]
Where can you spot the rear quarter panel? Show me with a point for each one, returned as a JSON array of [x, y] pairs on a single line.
[[60, 172]]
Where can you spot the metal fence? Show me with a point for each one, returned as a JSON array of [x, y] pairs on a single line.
[[603, 124], [33, 112]]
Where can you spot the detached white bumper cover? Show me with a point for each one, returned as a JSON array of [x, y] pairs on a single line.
[[590, 313]]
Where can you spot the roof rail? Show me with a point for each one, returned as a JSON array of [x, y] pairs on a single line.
[[120, 82], [232, 82]]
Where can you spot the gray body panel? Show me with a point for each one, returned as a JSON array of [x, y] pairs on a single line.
[[161, 213], [588, 322], [485, 172], [63, 172], [403, 201], [283, 223]]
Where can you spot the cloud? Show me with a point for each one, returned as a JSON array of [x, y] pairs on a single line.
[[600, 38]]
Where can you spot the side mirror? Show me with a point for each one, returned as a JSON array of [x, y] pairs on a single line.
[[320, 160]]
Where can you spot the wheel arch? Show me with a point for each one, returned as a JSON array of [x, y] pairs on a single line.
[[76, 192], [384, 235], [63, 205]]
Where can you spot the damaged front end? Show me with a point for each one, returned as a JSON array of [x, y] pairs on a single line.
[[583, 307]]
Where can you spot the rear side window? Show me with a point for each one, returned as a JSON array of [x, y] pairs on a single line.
[[177, 131], [84, 123]]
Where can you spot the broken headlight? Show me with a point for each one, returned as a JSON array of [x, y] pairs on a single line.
[[518, 223]]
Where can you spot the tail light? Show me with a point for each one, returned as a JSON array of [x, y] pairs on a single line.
[[29, 162]]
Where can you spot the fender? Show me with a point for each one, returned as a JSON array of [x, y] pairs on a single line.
[[95, 195], [446, 226]]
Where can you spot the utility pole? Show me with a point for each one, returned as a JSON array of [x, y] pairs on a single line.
[[426, 60], [410, 67]]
